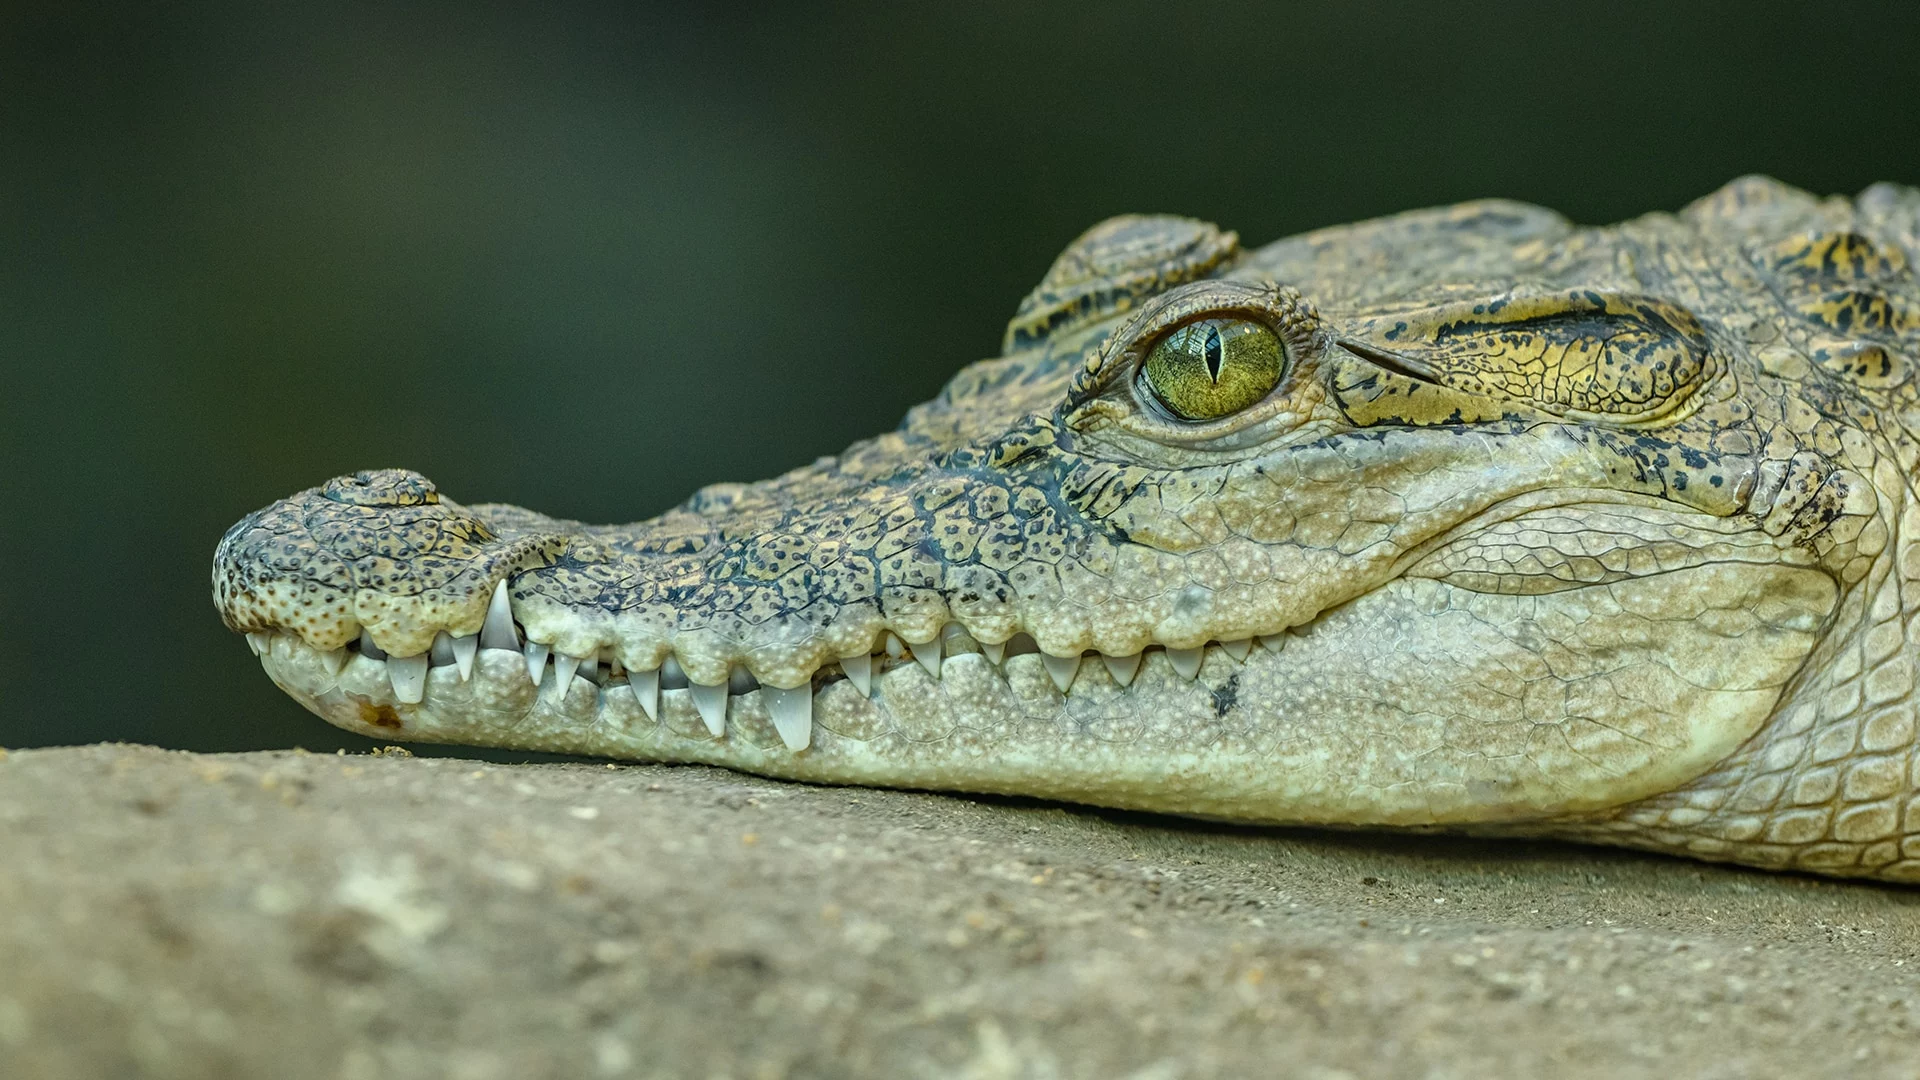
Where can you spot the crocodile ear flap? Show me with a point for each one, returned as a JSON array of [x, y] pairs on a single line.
[[1114, 266], [1585, 354]]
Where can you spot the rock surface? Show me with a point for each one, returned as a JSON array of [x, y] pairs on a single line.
[[165, 914]]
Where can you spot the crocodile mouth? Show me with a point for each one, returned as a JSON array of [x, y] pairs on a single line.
[[499, 685], [1417, 702], [499, 669]]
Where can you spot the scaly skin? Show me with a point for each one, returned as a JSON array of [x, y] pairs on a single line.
[[1594, 533]]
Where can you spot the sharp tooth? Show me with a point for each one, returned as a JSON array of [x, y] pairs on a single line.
[[1186, 661], [563, 668], [408, 674], [712, 703], [1238, 649], [929, 656], [792, 712], [368, 649], [1061, 669], [995, 652], [741, 681], [441, 651], [895, 647], [259, 641], [536, 661], [1122, 668], [672, 677], [646, 689], [464, 650], [333, 660], [498, 632], [859, 671], [1273, 642]]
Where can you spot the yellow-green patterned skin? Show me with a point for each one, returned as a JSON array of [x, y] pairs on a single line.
[[1601, 533]]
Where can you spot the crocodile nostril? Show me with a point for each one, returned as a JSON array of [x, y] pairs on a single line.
[[382, 487]]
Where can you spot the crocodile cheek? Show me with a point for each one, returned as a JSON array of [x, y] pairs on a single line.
[[1424, 702]]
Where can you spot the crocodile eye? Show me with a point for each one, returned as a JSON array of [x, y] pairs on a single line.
[[1212, 368]]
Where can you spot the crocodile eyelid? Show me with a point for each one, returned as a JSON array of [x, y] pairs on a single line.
[[1281, 307], [1106, 386]]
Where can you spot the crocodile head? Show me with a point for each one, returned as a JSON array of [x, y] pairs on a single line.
[[1464, 517]]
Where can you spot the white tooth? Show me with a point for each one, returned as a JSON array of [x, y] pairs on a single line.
[[895, 647], [1273, 642], [712, 703], [1061, 669], [929, 656], [464, 650], [536, 662], [498, 632], [441, 651], [612, 660], [563, 668], [1186, 661], [792, 712], [646, 689], [995, 652], [671, 676], [333, 660], [368, 649], [1122, 668], [259, 641], [408, 674], [859, 671], [1238, 649]]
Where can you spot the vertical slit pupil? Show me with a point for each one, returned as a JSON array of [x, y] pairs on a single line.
[[1213, 353]]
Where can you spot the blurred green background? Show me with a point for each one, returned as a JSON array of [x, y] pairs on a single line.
[[587, 259]]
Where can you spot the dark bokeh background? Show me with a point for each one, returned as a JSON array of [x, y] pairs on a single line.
[[589, 258]]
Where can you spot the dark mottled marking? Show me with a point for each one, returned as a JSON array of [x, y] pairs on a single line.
[[1227, 695]]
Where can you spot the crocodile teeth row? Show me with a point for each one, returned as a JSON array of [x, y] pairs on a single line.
[[791, 709]]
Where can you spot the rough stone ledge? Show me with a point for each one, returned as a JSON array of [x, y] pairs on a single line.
[[166, 914]]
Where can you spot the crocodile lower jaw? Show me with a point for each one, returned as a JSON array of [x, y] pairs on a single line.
[[512, 668]]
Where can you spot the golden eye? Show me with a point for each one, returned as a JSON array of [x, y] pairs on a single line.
[[1212, 368]]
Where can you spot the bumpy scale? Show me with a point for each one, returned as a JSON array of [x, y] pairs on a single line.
[[1596, 533]]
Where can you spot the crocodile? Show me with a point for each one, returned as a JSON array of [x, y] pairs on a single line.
[[1462, 519]]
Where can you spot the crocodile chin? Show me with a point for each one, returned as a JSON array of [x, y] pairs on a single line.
[[1461, 518]]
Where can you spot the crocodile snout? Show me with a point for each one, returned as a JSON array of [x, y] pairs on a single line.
[[377, 552]]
